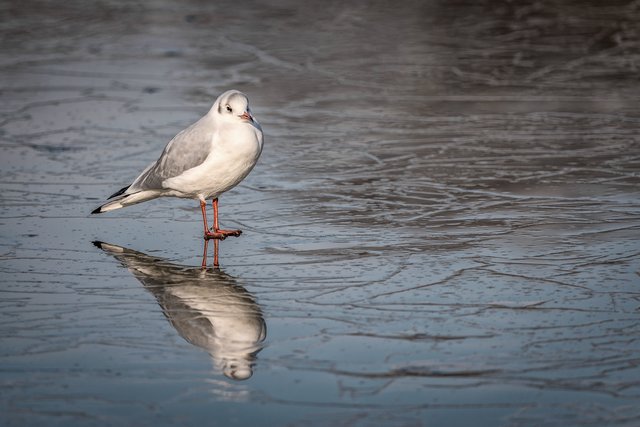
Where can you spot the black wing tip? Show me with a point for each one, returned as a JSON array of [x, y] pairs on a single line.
[[97, 243], [119, 192], [96, 210]]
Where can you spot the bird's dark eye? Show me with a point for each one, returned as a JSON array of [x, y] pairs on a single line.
[[229, 109]]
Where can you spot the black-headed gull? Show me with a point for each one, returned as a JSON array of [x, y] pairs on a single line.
[[201, 162]]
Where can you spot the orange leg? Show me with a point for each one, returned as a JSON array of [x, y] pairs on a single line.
[[217, 233]]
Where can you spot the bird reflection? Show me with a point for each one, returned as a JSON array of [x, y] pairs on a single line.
[[206, 306]]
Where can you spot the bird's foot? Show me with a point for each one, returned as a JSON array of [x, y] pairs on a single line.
[[221, 234]]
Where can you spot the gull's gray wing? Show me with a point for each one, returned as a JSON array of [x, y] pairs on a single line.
[[185, 151]]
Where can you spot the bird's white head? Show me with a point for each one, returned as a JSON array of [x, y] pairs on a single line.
[[233, 106]]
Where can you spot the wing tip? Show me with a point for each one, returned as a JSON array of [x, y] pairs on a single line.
[[107, 247], [119, 192], [96, 210]]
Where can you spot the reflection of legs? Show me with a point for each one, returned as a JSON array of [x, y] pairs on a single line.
[[204, 253], [216, 249], [217, 232]]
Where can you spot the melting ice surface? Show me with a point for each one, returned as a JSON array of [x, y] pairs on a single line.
[[442, 230]]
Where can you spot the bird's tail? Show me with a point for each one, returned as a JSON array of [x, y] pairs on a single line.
[[122, 200]]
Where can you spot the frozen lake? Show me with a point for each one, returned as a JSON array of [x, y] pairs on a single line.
[[443, 228]]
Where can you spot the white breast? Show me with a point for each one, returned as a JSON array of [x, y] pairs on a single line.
[[235, 151]]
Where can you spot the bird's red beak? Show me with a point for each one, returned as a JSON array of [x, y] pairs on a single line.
[[246, 116]]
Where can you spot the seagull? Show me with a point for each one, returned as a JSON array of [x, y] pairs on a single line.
[[201, 162]]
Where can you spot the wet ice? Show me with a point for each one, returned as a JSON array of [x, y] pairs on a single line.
[[443, 226]]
